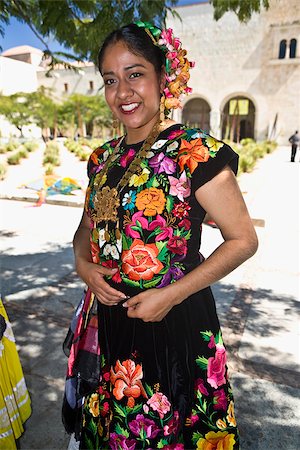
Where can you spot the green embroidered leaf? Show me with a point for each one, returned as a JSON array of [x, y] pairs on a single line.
[[134, 410], [160, 245], [92, 427], [126, 242], [120, 430], [152, 283], [163, 253], [196, 437], [204, 406], [155, 182], [162, 443], [187, 235], [206, 335], [218, 338], [131, 282], [120, 410], [149, 390], [202, 362], [169, 203]]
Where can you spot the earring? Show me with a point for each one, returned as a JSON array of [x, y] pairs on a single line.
[[115, 125], [162, 109]]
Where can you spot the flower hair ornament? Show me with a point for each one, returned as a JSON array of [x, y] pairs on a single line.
[[177, 65]]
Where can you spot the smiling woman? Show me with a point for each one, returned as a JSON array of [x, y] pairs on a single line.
[[161, 381]]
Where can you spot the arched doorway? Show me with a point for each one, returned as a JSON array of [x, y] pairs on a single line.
[[238, 119], [196, 113]]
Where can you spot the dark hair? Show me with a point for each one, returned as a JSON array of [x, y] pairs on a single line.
[[138, 42]]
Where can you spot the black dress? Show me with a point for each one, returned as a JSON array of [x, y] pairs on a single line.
[[163, 384]]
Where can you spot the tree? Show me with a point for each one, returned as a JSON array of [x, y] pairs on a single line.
[[15, 109], [80, 25], [43, 111], [242, 8]]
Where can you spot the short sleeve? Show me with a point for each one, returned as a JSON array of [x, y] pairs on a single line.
[[208, 169]]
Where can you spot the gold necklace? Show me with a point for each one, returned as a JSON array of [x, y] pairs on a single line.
[[106, 200]]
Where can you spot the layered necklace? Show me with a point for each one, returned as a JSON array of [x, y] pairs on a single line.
[[107, 200]]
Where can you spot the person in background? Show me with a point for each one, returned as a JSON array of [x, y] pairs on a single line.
[[163, 380], [15, 405], [294, 140]]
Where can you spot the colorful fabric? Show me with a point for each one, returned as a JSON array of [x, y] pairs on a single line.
[[15, 406], [163, 384]]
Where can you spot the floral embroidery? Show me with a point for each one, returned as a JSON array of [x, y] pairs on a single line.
[[219, 440], [151, 201], [159, 402], [126, 378], [140, 261], [191, 153]]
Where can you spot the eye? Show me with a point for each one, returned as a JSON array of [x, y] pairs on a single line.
[[109, 81], [135, 75]]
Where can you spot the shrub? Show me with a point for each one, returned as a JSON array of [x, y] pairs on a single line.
[[49, 169], [3, 170], [31, 146], [22, 152], [14, 159], [83, 155], [51, 154], [247, 141], [2, 149], [12, 145]]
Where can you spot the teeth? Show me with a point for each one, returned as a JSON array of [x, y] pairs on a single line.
[[129, 107]]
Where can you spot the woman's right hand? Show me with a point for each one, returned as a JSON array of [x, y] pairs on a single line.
[[94, 276]]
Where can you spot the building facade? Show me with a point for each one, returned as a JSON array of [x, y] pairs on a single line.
[[246, 82]]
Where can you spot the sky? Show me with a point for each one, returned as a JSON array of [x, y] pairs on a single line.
[[17, 33]]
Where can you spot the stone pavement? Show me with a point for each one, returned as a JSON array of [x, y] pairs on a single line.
[[258, 305]]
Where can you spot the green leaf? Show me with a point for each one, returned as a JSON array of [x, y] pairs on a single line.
[[126, 242], [149, 390], [169, 203], [122, 431], [134, 410], [206, 335], [152, 283], [162, 443], [120, 410], [131, 282], [202, 362], [196, 437]]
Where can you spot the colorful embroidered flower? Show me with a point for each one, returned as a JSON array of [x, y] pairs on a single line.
[[113, 265], [180, 187], [174, 134], [160, 224], [220, 440], [181, 210], [129, 200], [140, 261], [220, 400], [104, 410], [185, 223], [118, 441], [173, 447], [159, 144], [137, 223], [143, 427], [112, 250], [126, 159], [230, 414], [172, 146], [159, 402], [174, 273], [213, 144], [151, 201], [177, 245], [172, 425], [199, 386], [139, 180], [212, 342], [221, 424], [192, 153], [216, 367], [190, 421], [94, 405], [126, 378], [162, 164]]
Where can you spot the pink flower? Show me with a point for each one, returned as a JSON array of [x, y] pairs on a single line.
[[138, 221], [159, 222], [220, 400], [142, 426], [118, 441], [174, 134], [172, 425], [174, 447], [126, 159], [181, 210], [199, 386], [162, 164], [159, 402], [177, 245], [185, 223], [216, 367], [180, 187], [212, 342]]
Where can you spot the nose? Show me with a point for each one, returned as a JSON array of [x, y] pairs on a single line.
[[124, 89]]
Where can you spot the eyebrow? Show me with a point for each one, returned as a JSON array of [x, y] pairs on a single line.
[[126, 68]]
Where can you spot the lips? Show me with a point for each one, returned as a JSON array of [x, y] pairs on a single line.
[[128, 108]]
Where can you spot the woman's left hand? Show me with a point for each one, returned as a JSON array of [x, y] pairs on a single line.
[[151, 305]]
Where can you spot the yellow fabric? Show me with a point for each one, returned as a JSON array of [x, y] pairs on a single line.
[[15, 405]]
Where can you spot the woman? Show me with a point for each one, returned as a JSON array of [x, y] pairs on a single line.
[[163, 376]]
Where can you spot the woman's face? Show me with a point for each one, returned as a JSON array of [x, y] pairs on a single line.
[[132, 90]]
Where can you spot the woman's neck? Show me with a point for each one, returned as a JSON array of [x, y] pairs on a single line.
[[135, 135]]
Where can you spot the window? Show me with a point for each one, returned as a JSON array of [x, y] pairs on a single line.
[[91, 85], [66, 87], [293, 48], [282, 49]]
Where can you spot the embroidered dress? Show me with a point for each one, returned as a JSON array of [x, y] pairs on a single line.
[[15, 406], [163, 384]]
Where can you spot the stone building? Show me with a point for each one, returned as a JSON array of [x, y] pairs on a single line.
[[246, 82]]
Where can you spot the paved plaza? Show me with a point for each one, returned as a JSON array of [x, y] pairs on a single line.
[[258, 303]]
